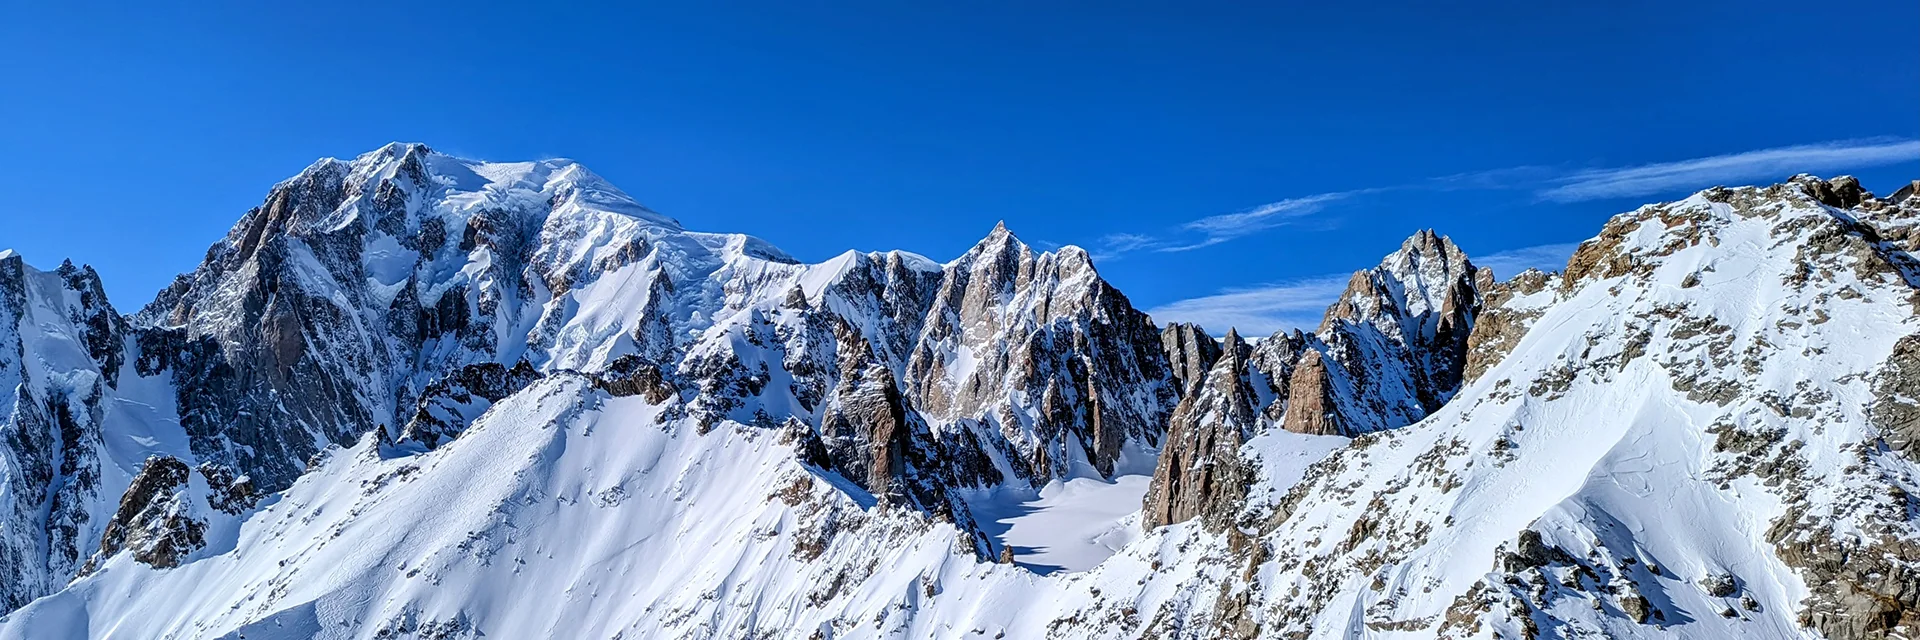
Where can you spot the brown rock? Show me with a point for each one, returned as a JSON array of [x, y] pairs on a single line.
[[1191, 352], [1200, 472], [1310, 399], [153, 521]]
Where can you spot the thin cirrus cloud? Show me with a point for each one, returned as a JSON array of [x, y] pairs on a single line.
[[1300, 304], [1547, 184], [1779, 162], [1227, 226], [1258, 311]]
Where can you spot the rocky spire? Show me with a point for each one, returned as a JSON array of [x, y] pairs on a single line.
[[1191, 352], [1400, 332], [1201, 472], [1312, 406], [1036, 350]]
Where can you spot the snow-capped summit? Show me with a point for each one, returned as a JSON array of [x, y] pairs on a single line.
[[1390, 350], [1038, 346], [75, 420], [410, 390]]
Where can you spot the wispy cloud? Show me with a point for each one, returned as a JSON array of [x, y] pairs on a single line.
[[1549, 184], [1227, 226], [1664, 177], [1114, 245], [1546, 257], [1258, 311]]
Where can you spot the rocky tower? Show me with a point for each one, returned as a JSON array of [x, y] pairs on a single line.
[[1391, 350], [61, 353], [1201, 472], [1191, 353], [1037, 351]]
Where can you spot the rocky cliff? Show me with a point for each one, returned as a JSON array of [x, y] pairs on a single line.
[[449, 383], [1392, 349]]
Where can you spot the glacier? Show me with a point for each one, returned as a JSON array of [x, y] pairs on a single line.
[[418, 396]]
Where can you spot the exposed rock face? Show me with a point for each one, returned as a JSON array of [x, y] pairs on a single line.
[[156, 521], [1311, 404], [1896, 411], [226, 492], [60, 360], [1191, 353], [866, 430], [1037, 351], [448, 405], [1511, 307], [1201, 473], [634, 376]]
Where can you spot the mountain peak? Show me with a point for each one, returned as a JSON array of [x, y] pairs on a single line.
[[998, 241]]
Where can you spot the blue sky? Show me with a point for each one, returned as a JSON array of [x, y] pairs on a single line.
[[1225, 163]]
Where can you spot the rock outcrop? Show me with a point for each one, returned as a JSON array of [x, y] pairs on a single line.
[[451, 403], [1392, 349], [1201, 472], [1191, 353], [156, 521]]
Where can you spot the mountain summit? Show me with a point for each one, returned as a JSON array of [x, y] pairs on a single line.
[[415, 396]]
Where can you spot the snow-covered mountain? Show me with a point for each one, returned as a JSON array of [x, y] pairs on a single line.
[[415, 396]]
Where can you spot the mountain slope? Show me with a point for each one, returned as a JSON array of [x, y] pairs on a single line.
[[77, 424], [707, 439], [403, 292]]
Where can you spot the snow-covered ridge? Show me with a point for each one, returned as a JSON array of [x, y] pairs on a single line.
[[550, 416], [404, 292]]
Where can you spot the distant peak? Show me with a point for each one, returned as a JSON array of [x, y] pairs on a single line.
[[1232, 340], [1000, 235], [997, 239], [398, 149], [1841, 192], [1428, 241]]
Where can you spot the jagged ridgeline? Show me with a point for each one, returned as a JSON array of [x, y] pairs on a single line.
[[410, 389]]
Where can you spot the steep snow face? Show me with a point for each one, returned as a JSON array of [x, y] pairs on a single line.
[[1710, 357], [562, 512], [848, 446], [327, 309], [77, 422]]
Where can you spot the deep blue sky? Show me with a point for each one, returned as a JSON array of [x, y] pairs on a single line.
[[134, 137]]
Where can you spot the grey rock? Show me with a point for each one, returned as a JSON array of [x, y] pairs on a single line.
[[1200, 472]]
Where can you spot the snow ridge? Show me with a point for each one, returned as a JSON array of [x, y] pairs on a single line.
[[413, 396]]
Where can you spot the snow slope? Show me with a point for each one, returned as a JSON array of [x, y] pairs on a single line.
[[1068, 525], [1695, 431]]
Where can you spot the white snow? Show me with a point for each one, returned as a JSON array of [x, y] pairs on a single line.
[[1070, 525], [563, 512]]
